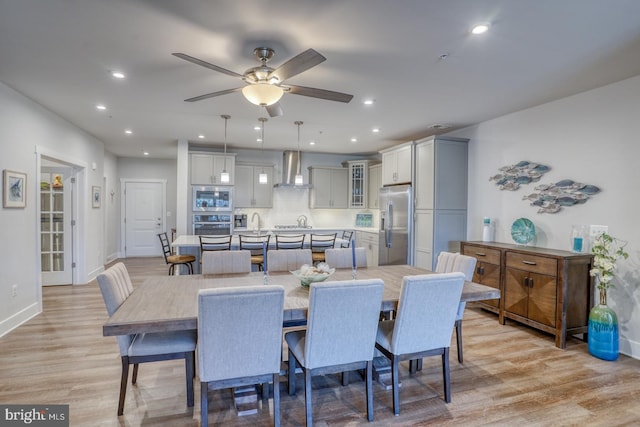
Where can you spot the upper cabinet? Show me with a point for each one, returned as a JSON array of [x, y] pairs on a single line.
[[329, 187], [375, 182], [205, 168], [358, 183], [249, 193], [396, 165]]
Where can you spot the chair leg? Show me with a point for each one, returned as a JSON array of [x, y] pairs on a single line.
[[446, 376], [204, 404], [276, 399], [459, 338], [291, 374], [189, 374], [369, 390], [395, 388], [123, 384], [134, 376], [307, 397], [345, 378], [172, 269]]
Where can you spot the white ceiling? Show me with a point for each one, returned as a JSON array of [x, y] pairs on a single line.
[[60, 53]]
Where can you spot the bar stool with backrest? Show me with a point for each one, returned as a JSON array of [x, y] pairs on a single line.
[[254, 243], [346, 235], [319, 244], [173, 260], [289, 241]]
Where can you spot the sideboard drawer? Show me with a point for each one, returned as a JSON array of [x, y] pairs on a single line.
[[532, 263], [492, 256]]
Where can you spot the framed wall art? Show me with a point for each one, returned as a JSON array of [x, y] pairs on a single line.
[[96, 197], [15, 189]]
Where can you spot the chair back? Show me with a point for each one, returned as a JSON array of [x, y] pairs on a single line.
[[426, 312], [239, 331], [215, 243], [225, 262], [115, 286], [288, 260], [343, 257], [253, 242], [166, 247], [289, 241], [451, 262], [342, 322], [346, 235], [322, 242]]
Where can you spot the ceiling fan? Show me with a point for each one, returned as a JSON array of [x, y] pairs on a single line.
[[265, 84]]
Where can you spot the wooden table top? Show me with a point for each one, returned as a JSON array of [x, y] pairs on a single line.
[[169, 303]]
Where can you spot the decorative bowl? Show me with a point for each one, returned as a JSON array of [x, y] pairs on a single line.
[[523, 231], [306, 280]]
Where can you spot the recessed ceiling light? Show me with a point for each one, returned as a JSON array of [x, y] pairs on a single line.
[[354, 139], [375, 130], [368, 101], [201, 136], [101, 107], [312, 143], [146, 153], [128, 131], [257, 127], [259, 140], [118, 74], [480, 29]]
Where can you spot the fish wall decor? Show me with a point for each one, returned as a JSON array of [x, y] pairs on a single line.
[[511, 177], [551, 198]]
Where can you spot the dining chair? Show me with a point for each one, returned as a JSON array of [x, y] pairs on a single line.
[[225, 262], [340, 335], [319, 244], [289, 241], [343, 257], [254, 243], [422, 326], [288, 260], [115, 286], [239, 340], [450, 262], [173, 260], [346, 235]]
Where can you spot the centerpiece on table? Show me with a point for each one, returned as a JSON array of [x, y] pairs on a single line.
[[308, 274], [603, 322]]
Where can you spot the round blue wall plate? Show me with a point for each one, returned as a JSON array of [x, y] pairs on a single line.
[[523, 231]]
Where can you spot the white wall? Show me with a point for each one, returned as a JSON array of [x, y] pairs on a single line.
[[111, 203], [592, 138], [24, 127]]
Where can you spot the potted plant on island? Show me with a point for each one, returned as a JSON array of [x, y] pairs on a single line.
[[603, 341]]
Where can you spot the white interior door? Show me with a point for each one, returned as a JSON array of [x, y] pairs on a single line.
[[144, 218]]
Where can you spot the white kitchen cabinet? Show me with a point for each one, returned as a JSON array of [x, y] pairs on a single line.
[[396, 165], [358, 183], [370, 242], [249, 193], [440, 197], [205, 168], [375, 183], [329, 187]]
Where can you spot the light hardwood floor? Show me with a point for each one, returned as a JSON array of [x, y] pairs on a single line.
[[512, 375]]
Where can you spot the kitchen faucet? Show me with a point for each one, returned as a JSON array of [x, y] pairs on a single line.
[[253, 217], [302, 221]]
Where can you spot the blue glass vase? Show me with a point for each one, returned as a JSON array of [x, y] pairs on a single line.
[[603, 331]]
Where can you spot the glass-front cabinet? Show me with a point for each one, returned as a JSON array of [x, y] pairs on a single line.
[[358, 183]]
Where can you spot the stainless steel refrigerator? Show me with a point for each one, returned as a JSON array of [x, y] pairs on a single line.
[[396, 225]]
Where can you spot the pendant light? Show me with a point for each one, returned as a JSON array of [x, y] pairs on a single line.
[[298, 179], [262, 178], [224, 175]]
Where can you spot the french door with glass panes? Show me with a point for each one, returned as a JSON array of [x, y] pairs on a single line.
[[55, 228]]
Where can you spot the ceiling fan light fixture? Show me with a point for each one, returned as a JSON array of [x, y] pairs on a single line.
[[262, 94]]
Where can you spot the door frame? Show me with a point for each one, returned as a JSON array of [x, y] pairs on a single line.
[[123, 207]]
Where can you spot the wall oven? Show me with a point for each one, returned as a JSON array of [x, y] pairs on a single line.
[[212, 224], [212, 199]]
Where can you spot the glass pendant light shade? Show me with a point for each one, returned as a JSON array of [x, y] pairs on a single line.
[[262, 93], [298, 180], [263, 178], [224, 175]]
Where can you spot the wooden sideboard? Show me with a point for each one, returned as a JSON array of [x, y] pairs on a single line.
[[547, 289]]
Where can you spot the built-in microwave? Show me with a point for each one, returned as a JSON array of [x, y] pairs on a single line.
[[212, 199]]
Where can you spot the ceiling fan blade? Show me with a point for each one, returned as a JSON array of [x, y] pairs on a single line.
[[274, 110], [213, 94], [318, 93], [206, 64], [296, 65]]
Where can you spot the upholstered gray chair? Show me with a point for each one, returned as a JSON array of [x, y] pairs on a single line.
[[340, 335], [115, 285], [287, 260], [423, 324], [239, 340], [225, 262], [451, 262], [343, 257]]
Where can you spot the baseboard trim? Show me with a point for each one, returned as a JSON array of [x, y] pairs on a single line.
[[24, 315]]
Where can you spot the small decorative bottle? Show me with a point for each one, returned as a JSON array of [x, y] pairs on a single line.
[[487, 235]]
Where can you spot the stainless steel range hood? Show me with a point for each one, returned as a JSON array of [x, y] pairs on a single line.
[[290, 162]]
